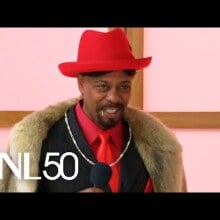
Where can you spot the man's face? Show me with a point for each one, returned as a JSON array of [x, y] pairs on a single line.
[[105, 97]]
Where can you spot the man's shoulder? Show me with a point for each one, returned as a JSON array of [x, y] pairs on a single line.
[[44, 118], [57, 128], [35, 126], [147, 128]]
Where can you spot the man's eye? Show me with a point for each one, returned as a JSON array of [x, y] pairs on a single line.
[[125, 88], [102, 87]]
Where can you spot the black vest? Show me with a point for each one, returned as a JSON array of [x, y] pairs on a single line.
[[133, 176]]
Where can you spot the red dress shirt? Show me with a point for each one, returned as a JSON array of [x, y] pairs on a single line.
[[91, 132]]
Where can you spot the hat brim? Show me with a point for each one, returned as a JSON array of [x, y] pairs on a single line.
[[73, 69]]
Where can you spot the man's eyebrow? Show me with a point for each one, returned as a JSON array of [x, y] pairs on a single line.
[[126, 81], [100, 80]]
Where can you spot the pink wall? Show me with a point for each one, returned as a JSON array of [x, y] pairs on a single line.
[[184, 73], [184, 76], [201, 158], [29, 76], [4, 135]]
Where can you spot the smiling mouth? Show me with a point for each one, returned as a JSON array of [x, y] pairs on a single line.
[[110, 111]]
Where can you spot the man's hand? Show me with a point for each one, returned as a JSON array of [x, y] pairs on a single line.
[[92, 190]]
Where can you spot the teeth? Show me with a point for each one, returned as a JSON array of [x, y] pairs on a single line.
[[111, 110]]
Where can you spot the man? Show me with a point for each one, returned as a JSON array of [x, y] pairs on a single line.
[[66, 140]]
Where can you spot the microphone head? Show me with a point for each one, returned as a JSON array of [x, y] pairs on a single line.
[[100, 175]]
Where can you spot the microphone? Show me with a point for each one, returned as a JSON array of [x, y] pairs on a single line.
[[100, 175]]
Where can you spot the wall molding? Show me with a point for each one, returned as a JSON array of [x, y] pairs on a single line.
[[9, 118], [194, 120]]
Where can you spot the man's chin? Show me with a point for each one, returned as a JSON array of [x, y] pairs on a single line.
[[108, 124]]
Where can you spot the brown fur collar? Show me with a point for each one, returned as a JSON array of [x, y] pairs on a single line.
[[159, 149]]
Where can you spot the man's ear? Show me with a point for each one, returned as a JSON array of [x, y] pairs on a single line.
[[80, 83]]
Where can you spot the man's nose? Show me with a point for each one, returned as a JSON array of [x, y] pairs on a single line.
[[113, 96]]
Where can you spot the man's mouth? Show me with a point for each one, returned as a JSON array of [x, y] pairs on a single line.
[[110, 111]]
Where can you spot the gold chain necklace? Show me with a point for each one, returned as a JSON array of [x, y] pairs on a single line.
[[84, 156]]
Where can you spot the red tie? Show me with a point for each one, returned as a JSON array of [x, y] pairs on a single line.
[[105, 155]]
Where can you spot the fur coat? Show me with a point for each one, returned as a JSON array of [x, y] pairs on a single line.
[[158, 147]]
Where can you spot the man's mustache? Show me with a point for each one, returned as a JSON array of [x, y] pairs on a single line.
[[111, 105]]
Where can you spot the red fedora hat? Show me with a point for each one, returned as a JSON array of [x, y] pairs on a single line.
[[100, 51]]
